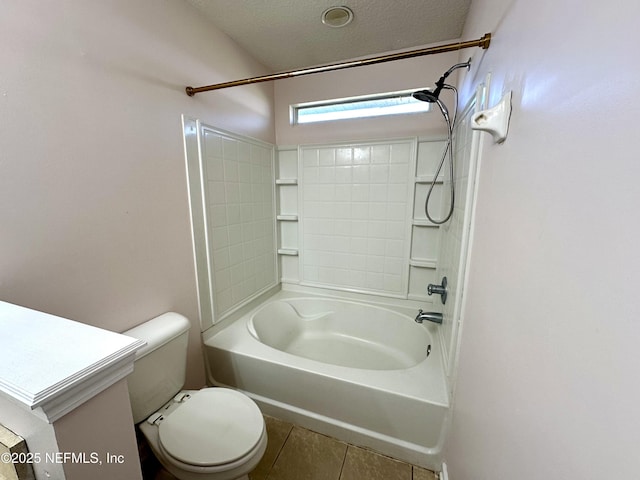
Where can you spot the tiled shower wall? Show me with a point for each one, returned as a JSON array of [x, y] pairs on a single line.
[[351, 216], [345, 236], [354, 208], [455, 233], [347, 217], [237, 179]]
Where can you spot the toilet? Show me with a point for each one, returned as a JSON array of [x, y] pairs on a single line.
[[209, 434]]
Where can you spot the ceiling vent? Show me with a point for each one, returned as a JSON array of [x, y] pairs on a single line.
[[337, 17]]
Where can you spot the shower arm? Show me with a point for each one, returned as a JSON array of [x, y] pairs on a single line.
[[482, 42], [440, 83]]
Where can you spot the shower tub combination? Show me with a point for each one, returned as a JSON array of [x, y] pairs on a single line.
[[364, 373]]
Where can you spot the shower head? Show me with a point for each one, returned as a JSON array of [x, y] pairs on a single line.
[[432, 96], [425, 96]]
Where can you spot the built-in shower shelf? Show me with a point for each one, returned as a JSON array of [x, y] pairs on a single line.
[[419, 222], [287, 218], [293, 252], [423, 263], [427, 179], [286, 181]]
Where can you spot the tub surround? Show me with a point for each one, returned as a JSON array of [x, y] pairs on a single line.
[[399, 412], [231, 202], [351, 216], [349, 226]]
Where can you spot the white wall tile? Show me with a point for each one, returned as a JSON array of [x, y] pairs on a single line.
[[213, 144], [425, 243], [352, 252], [429, 156], [310, 158], [380, 154], [326, 157], [361, 155], [239, 193], [344, 156]]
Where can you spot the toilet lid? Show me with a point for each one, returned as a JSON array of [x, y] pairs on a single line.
[[215, 426]]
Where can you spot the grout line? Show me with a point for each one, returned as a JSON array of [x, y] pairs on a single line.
[[279, 451], [344, 460]]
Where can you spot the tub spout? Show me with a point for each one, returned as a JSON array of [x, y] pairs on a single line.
[[434, 317]]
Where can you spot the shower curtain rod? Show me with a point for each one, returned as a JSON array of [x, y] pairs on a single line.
[[481, 42]]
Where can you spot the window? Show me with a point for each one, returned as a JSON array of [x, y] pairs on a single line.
[[392, 103]]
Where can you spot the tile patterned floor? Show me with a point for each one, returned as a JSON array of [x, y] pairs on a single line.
[[294, 453]]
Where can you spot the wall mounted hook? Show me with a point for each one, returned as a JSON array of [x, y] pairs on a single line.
[[495, 120]]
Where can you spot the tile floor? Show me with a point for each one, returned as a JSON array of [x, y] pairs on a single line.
[[295, 453]]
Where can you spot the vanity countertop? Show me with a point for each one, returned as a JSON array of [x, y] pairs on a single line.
[[50, 364]]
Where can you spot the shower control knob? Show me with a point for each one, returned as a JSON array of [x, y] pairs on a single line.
[[439, 290]]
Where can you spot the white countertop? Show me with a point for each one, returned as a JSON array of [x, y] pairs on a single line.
[[51, 364]]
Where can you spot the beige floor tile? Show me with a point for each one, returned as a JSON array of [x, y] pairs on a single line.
[[308, 455], [361, 464], [164, 475], [422, 474], [277, 432]]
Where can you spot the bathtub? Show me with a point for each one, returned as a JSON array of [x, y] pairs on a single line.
[[361, 372]]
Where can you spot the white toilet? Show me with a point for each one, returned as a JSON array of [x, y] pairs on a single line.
[[210, 434]]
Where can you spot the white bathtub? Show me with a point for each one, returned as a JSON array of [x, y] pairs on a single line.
[[363, 373]]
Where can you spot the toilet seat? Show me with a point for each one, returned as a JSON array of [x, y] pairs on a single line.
[[214, 427]]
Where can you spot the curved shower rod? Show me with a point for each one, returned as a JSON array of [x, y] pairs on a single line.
[[481, 42]]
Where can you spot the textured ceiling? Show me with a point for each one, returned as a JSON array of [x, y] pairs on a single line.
[[289, 34]]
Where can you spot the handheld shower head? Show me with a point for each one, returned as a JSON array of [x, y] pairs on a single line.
[[431, 96], [425, 96]]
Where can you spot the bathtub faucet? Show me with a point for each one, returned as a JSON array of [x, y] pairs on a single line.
[[434, 317]]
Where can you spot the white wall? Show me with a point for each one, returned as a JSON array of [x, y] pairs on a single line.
[[94, 219], [94, 216], [92, 428], [547, 384]]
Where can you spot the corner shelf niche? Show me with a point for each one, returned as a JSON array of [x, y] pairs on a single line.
[[425, 235], [422, 179], [293, 252], [287, 219]]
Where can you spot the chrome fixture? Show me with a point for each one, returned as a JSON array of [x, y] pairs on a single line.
[[434, 317], [432, 96], [439, 290]]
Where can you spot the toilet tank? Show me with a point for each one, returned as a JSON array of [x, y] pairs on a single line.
[[160, 366]]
